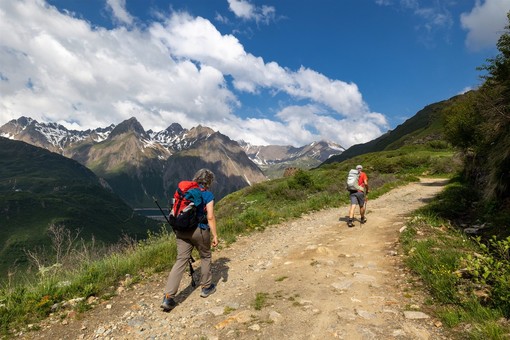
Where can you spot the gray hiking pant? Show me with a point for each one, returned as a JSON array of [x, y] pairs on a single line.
[[200, 239]]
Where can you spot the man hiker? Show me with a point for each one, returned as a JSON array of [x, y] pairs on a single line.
[[201, 237], [358, 197]]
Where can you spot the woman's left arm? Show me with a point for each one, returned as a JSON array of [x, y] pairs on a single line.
[[211, 221]]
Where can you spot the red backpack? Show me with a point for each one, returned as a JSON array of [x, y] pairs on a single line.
[[183, 214]]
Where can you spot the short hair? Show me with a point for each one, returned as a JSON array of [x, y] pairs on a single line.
[[204, 176]]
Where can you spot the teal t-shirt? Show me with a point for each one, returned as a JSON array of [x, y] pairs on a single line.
[[207, 197]]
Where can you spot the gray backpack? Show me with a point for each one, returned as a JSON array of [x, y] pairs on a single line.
[[352, 180]]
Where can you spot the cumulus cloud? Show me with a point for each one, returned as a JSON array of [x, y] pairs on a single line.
[[485, 23], [247, 11], [179, 69]]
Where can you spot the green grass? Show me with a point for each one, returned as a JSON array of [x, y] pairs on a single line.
[[21, 304], [260, 300], [467, 280]]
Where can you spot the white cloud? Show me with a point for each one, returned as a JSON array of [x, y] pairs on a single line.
[[299, 125], [485, 23], [198, 39], [245, 10], [242, 9], [179, 70], [118, 8]]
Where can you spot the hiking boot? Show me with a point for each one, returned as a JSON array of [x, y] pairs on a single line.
[[168, 303], [363, 220], [208, 291], [350, 223]]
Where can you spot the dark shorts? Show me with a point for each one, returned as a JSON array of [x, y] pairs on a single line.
[[357, 197]]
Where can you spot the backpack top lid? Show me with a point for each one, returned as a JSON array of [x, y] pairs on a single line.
[[184, 186]]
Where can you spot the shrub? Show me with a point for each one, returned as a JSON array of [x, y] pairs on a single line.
[[301, 179], [491, 270]]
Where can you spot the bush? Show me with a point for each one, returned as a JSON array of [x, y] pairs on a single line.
[[300, 180], [491, 270]]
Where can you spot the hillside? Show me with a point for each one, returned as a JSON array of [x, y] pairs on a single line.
[[39, 188], [425, 127]]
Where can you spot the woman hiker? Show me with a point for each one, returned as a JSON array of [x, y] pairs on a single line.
[[200, 238]]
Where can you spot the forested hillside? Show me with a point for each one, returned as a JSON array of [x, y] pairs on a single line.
[[41, 188], [424, 128], [479, 126]]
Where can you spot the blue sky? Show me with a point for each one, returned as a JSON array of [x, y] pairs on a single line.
[[268, 72]]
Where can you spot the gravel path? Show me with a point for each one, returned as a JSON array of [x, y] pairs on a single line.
[[310, 278]]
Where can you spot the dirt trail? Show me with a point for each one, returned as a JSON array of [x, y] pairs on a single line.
[[319, 279]]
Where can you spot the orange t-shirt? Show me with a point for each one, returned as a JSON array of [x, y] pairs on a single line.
[[362, 178]]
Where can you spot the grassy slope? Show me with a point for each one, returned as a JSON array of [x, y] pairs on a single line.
[[424, 127], [38, 188]]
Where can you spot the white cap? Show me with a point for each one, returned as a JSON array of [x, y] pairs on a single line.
[[359, 167]]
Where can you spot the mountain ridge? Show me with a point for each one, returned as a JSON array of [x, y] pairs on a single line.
[[112, 154]]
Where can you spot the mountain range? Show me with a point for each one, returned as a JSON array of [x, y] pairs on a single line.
[[274, 159], [140, 164]]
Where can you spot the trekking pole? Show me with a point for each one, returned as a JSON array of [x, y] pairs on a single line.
[[191, 259], [162, 212], [365, 205], [360, 223], [192, 271]]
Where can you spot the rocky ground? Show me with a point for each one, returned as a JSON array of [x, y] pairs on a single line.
[[310, 278]]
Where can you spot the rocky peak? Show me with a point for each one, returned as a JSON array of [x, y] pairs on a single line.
[[129, 125], [175, 129], [200, 132], [16, 126], [24, 121]]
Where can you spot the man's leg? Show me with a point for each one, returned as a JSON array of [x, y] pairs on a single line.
[[362, 207], [350, 222], [351, 211]]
